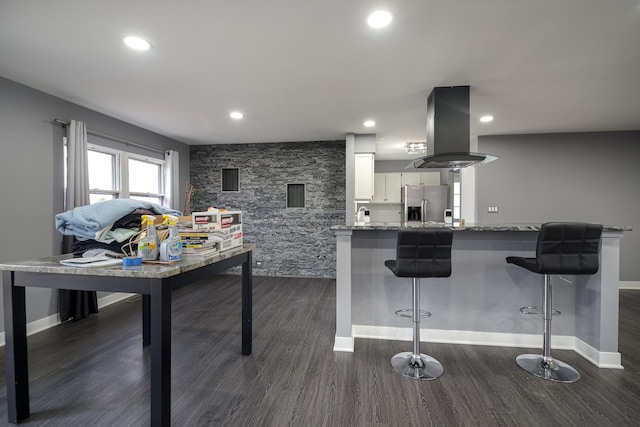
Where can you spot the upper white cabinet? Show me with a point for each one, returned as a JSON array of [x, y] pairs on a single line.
[[364, 163], [387, 188], [379, 187], [420, 178]]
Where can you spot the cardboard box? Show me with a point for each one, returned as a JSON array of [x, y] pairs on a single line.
[[227, 223], [232, 237], [215, 220]]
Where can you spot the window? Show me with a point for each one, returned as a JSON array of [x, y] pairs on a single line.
[[230, 179], [145, 180], [102, 176], [115, 174], [295, 195]]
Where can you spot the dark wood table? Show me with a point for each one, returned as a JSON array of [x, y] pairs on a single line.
[[155, 282]]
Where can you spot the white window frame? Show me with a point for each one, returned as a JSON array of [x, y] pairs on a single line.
[[121, 174]]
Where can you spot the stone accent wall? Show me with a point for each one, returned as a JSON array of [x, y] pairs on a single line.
[[289, 241]]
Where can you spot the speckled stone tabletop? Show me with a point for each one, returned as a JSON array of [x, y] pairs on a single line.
[[146, 270]]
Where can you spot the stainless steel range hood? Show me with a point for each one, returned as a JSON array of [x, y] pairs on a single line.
[[448, 131]]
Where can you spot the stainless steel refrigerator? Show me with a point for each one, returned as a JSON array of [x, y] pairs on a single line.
[[423, 203]]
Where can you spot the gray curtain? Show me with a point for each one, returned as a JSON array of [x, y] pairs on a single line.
[[76, 305], [172, 179]]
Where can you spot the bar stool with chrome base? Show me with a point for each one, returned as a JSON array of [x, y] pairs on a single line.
[[420, 253], [562, 248]]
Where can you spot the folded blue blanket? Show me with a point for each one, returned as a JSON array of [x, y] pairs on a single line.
[[85, 221]]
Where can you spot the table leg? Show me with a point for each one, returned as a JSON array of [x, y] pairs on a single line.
[[146, 314], [160, 353], [247, 305], [15, 323]]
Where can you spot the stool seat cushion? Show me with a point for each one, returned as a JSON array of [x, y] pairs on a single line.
[[530, 264], [564, 248], [422, 253]]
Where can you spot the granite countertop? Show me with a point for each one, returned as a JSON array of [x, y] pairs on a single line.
[[394, 226], [146, 270]]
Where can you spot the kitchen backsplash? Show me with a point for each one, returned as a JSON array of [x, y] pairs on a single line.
[[289, 241], [384, 213]]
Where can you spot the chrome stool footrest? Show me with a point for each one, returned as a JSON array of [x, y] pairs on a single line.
[[416, 366], [548, 368], [536, 310], [408, 313]]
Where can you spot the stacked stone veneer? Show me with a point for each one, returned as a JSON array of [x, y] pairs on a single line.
[[289, 241]]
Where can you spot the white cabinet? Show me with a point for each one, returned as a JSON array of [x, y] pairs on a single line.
[[421, 178], [387, 188], [411, 178], [363, 168], [393, 187], [378, 187]]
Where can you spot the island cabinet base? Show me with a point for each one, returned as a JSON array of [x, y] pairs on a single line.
[[479, 304]]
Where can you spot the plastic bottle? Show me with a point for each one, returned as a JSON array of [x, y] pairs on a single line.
[[148, 245], [171, 247]]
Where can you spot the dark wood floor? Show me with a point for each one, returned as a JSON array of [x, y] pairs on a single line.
[[96, 373]]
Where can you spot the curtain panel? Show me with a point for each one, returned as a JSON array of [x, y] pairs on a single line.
[[76, 305], [172, 179]]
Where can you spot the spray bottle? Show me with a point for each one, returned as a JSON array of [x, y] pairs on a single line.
[[148, 245], [171, 247]]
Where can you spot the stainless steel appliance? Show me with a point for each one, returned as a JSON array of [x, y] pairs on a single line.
[[448, 130], [422, 203]]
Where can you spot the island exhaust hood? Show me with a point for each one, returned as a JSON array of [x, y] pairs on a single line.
[[448, 131]]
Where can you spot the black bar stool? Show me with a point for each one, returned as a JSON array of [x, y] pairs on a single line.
[[562, 248], [420, 253]]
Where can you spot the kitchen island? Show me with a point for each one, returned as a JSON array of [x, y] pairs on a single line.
[[479, 304]]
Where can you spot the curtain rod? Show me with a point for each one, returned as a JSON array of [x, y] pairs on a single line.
[[114, 138]]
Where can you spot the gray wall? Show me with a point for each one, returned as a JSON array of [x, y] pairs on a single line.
[[289, 242], [31, 175], [591, 177]]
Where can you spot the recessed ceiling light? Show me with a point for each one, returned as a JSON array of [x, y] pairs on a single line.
[[415, 147], [379, 19], [236, 115], [486, 119], [137, 43], [369, 123]]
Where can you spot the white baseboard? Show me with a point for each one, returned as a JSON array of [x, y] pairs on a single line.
[[602, 359], [54, 320], [343, 344], [113, 298], [629, 285], [610, 360]]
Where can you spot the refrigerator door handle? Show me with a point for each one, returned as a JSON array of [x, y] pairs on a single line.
[[405, 212], [423, 210]]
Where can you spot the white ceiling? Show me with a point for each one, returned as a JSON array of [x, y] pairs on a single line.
[[313, 70]]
